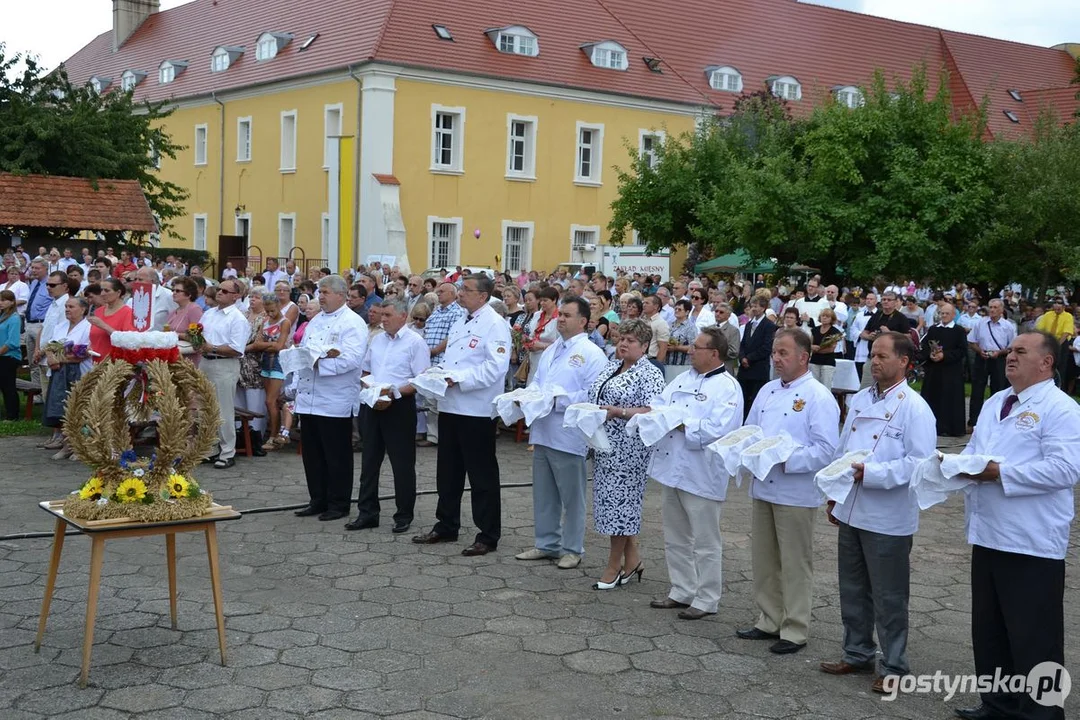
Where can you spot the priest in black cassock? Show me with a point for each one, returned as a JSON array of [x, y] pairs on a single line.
[[943, 351]]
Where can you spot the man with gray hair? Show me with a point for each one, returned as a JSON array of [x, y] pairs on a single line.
[[162, 298], [722, 313], [327, 397]]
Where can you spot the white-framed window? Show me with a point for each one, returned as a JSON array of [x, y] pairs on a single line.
[[243, 225], [155, 156], [286, 233], [648, 142], [220, 60], [199, 237], [99, 84], [200, 144], [447, 139], [725, 78], [324, 233], [243, 139], [590, 153], [786, 87], [130, 79], [584, 238], [521, 147], [608, 54], [288, 141], [268, 45], [331, 130], [444, 241], [166, 73], [849, 96], [517, 245], [515, 40]]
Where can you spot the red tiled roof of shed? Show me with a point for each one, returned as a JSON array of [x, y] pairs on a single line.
[[45, 201]]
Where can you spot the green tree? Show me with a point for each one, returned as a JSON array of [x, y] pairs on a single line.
[[50, 126]]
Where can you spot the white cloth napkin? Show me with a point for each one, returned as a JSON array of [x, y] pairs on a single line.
[[431, 383], [726, 453], [530, 404], [652, 426], [589, 419], [297, 358], [939, 475], [836, 479], [760, 458], [370, 394]]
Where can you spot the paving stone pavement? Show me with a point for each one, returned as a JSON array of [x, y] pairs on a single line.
[[328, 624]]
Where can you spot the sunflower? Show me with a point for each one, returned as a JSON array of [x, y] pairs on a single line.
[[131, 490], [178, 486], [92, 489]]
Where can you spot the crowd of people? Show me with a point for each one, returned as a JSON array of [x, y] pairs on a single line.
[[723, 353]]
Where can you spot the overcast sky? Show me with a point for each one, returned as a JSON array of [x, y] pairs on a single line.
[[71, 24]]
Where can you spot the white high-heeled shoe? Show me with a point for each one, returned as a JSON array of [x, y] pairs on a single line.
[[601, 585]]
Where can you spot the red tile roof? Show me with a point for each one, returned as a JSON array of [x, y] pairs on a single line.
[[1062, 102], [822, 47], [42, 201]]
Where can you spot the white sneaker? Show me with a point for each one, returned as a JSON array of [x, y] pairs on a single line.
[[569, 561], [534, 554]]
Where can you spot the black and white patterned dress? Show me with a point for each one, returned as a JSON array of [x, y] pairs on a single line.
[[619, 476]]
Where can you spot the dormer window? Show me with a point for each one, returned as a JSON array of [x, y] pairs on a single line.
[[607, 54], [130, 79], [515, 40], [223, 57], [724, 78], [100, 83], [169, 70], [785, 87], [270, 44], [849, 96]]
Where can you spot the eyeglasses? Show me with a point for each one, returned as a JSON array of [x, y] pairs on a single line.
[[223, 291], [53, 284]]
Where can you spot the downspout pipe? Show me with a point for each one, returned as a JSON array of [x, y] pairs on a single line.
[[221, 169], [356, 165]]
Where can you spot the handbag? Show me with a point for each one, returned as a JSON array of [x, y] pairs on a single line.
[[522, 374]]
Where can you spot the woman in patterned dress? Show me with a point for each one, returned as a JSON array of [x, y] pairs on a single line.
[[624, 389]]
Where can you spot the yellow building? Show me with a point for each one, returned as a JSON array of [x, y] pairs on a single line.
[[474, 133]]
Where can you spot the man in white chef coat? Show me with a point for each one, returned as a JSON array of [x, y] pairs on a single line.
[[880, 515], [477, 357], [572, 362], [693, 494], [1018, 518], [327, 397], [786, 502]]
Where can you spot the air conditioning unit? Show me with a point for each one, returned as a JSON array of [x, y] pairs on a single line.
[[578, 248], [588, 247]]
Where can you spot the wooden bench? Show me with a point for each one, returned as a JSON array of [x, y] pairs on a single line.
[[32, 390], [244, 417]]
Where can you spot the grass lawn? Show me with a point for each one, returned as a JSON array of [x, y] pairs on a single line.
[[21, 426]]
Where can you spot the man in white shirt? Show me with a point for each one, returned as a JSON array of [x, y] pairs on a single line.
[[693, 494], [327, 397], [990, 340], [60, 287], [880, 515], [225, 330], [273, 274], [572, 362], [477, 357], [856, 326], [67, 261], [667, 312], [786, 502], [660, 331], [1018, 518], [832, 295], [394, 356], [811, 305]]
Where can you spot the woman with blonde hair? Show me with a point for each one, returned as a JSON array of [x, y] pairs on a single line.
[[826, 340]]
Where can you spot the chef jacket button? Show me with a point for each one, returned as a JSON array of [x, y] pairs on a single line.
[[874, 437], [853, 428], [887, 416]]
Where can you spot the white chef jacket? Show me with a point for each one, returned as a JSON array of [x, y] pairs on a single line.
[[573, 365], [807, 411], [1029, 510], [477, 357], [398, 359], [715, 403], [993, 336], [902, 432], [226, 326], [858, 324], [332, 387]]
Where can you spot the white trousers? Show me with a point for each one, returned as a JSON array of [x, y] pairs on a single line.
[[224, 373], [693, 548]]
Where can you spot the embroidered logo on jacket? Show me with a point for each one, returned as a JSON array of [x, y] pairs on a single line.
[[798, 405]]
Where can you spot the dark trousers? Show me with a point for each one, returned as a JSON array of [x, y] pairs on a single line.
[[8, 367], [467, 446], [750, 389], [875, 585], [1017, 622], [390, 432], [328, 460], [982, 372]]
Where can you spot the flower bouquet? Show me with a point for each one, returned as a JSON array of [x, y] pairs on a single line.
[[828, 343], [54, 354], [195, 335]]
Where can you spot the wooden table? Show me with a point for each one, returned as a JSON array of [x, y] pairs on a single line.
[[101, 530]]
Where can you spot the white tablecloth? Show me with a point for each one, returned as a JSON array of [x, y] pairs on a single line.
[[846, 379]]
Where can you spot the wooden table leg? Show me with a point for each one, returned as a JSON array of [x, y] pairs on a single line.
[[215, 586], [97, 556], [170, 556], [50, 582]]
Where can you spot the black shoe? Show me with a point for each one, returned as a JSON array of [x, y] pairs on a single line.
[[977, 713], [210, 460], [221, 464], [786, 647], [401, 526], [756, 634], [256, 440], [432, 537], [309, 511], [333, 515], [362, 524]]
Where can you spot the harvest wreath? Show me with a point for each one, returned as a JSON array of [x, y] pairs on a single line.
[[144, 379]]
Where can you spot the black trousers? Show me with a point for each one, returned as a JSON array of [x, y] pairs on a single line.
[[390, 432], [1017, 622], [750, 389], [8, 368], [467, 446], [328, 460], [985, 371]]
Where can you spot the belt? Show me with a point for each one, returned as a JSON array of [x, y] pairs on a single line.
[[218, 357], [34, 322]]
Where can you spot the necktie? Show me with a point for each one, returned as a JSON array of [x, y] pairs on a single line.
[[1008, 406], [30, 304]]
